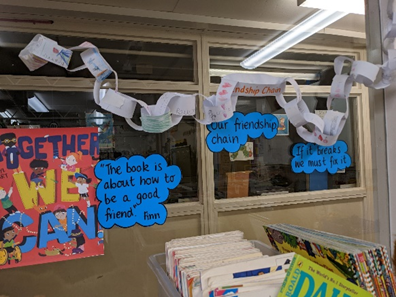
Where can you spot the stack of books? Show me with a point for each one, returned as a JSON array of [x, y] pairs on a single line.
[[362, 263], [224, 264]]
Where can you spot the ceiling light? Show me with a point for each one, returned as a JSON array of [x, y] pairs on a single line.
[[37, 105], [303, 30], [5, 114], [349, 6], [295, 75]]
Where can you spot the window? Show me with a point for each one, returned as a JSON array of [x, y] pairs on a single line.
[[263, 166], [131, 59]]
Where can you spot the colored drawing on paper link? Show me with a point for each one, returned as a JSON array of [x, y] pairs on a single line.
[[234, 132], [132, 191], [309, 157], [47, 201]]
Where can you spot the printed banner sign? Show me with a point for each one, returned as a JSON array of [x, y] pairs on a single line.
[[309, 157], [234, 132], [132, 191], [47, 196]]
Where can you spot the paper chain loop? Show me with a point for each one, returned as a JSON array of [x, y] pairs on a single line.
[[171, 107]]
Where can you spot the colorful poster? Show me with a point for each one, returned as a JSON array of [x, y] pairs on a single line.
[[48, 207]]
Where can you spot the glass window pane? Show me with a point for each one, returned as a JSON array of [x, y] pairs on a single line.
[[269, 171], [131, 59], [71, 109]]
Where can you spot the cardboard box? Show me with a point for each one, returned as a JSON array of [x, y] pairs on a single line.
[[238, 184]]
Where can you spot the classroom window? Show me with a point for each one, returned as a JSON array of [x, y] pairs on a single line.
[[263, 166]]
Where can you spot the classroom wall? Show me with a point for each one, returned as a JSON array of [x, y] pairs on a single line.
[[340, 217]]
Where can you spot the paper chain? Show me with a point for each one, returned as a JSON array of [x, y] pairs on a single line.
[[171, 107]]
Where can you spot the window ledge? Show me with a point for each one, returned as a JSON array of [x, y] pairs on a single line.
[[288, 199]]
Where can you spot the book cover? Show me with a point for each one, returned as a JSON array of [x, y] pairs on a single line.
[[341, 263], [306, 278]]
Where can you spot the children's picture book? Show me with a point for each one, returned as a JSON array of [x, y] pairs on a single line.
[[362, 263], [306, 278], [48, 204]]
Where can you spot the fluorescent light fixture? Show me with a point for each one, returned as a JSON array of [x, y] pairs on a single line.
[[295, 75], [6, 114], [303, 30], [349, 6], [37, 105]]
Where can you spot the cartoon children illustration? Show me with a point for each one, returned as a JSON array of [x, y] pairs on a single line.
[[39, 168], [82, 184], [94, 161], [8, 243], [6, 202], [77, 242], [11, 151], [61, 214], [69, 163]]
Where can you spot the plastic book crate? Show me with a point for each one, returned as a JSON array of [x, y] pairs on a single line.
[[166, 288]]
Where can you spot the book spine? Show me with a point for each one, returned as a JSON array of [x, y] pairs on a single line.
[[374, 258], [387, 270], [356, 270], [289, 270], [378, 284], [366, 275]]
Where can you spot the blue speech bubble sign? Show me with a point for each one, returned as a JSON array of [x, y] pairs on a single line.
[[309, 157], [132, 191], [234, 132]]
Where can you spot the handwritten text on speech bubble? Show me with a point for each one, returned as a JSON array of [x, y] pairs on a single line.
[[234, 132], [133, 190], [309, 157]]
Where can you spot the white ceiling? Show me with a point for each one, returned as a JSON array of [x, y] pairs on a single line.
[[282, 12]]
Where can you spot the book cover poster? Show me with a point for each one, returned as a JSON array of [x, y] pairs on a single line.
[[47, 196]]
